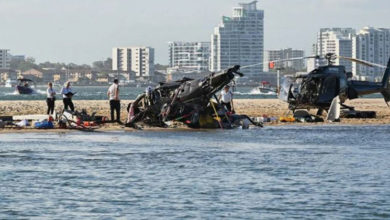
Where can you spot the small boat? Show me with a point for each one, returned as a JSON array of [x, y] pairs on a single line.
[[266, 88], [10, 83], [24, 86]]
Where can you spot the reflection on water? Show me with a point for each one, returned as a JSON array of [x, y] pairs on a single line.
[[275, 172]]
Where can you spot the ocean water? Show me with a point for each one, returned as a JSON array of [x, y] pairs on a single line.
[[100, 93], [291, 172]]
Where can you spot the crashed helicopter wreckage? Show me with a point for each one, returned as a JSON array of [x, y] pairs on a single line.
[[188, 101]]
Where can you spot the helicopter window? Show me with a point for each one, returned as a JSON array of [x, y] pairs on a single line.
[[343, 83], [329, 89], [333, 70]]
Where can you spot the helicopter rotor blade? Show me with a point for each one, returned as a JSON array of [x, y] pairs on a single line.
[[363, 62], [296, 58], [283, 60]]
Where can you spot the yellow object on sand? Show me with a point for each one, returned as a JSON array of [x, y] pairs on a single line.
[[216, 114], [287, 119]]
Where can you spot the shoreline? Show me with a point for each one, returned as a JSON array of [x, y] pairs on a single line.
[[117, 129], [250, 107]]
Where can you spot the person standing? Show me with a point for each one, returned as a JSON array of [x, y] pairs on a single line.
[[226, 98], [115, 105], [67, 95], [51, 98]]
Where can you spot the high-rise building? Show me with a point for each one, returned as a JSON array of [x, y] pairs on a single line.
[[139, 60], [4, 59], [311, 64], [337, 41], [239, 40], [373, 45], [189, 55], [273, 55]]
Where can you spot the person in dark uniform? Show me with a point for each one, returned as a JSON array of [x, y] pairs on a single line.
[[51, 98], [67, 95]]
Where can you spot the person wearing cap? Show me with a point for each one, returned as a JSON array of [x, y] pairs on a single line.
[[226, 98], [67, 95], [115, 105]]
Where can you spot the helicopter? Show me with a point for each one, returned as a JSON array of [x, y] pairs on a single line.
[[188, 101], [327, 87]]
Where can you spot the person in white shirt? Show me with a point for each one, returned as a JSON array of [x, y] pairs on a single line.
[[115, 104], [51, 98], [226, 98], [67, 95]]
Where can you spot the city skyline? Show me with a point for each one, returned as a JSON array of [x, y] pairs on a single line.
[[80, 32]]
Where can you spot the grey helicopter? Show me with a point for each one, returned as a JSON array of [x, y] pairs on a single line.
[[327, 87]]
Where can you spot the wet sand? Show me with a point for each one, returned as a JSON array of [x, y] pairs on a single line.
[[251, 107]]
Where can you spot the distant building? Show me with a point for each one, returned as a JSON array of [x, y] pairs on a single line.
[[45, 75], [272, 55], [373, 45], [190, 55], [8, 74], [18, 57], [32, 73], [159, 77], [311, 64], [139, 60], [81, 76], [337, 41], [4, 59], [239, 40]]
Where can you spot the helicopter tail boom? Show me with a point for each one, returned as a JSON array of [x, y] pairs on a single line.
[[385, 84]]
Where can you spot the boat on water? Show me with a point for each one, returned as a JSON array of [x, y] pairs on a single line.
[[266, 88], [10, 83], [25, 86]]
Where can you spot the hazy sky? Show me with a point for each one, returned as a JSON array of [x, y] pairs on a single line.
[[82, 31]]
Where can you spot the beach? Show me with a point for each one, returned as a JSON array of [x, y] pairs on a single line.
[[250, 107]]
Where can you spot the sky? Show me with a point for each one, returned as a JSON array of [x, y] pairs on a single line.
[[83, 31]]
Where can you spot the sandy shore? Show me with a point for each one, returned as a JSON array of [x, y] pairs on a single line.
[[251, 107]]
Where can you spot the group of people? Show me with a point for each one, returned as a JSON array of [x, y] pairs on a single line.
[[226, 98], [67, 95]]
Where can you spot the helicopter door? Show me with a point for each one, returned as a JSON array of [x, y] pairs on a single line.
[[285, 89], [330, 88]]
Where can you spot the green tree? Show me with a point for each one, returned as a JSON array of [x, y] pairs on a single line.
[[24, 65], [158, 66]]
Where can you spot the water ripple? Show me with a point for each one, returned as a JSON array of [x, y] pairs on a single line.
[[276, 172]]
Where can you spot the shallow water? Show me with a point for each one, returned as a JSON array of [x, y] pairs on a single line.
[[126, 93], [100, 93], [314, 172]]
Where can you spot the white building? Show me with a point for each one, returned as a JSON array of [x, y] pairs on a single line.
[[337, 41], [373, 45], [190, 55], [139, 60], [239, 40], [4, 59], [273, 55]]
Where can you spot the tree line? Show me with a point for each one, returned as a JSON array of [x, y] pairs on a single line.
[[30, 62]]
